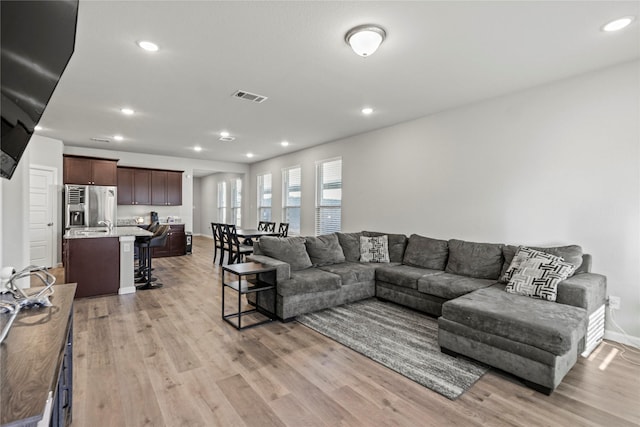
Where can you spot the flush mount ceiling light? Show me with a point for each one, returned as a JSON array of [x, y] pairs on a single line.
[[618, 24], [365, 39], [249, 155], [118, 137], [127, 111], [148, 46], [285, 143], [38, 127], [367, 110], [197, 148], [224, 134]]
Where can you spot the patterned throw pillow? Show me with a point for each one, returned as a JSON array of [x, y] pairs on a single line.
[[374, 249], [537, 274]]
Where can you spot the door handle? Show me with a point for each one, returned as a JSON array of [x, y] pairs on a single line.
[[50, 224]]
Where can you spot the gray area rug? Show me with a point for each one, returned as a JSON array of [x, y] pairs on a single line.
[[400, 339]]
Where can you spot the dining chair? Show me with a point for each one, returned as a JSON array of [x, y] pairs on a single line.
[[237, 250], [218, 241], [283, 229], [271, 227]]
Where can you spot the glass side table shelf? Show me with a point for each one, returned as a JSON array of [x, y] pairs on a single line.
[[248, 282]]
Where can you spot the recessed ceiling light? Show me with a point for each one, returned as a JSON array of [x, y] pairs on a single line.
[[618, 24], [148, 46], [367, 110], [249, 155], [197, 148], [38, 127], [118, 137], [285, 143], [127, 111], [224, 134]]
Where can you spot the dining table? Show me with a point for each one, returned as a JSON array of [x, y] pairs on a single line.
[[249, 234]]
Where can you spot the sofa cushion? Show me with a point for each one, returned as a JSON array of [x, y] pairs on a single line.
[[571, 254], [353, 272], [374, 249], [426, 252], [537, 274], [350, 243], [539, 323], [479, 260], [324, 250], [397, 244], [308, 281], [288, 249], [449, 286], [403, 275]]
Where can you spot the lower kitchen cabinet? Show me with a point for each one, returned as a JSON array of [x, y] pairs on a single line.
[[176, 243]]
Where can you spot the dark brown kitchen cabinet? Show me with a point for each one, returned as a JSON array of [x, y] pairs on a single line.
[[176, 243], [94, 264], [166, 188], [90, 171], [134, 186]]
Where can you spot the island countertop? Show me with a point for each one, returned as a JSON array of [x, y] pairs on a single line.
[[93, 232]]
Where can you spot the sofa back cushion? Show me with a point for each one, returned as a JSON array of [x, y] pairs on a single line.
[[397, 244], [324, 250], [291, 250], [479, 260], [426, 252], [570, 253], [350, 243]]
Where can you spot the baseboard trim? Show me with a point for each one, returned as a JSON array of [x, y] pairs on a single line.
[[621, 338]]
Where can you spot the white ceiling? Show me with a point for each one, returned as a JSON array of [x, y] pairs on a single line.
[[437, 55]]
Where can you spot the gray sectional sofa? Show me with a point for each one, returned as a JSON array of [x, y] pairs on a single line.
[[461, 283]]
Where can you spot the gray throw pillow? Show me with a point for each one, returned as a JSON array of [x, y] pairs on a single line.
[[324, 250], [397, 244], [479, 260], [426, 252], [291, 250], [350, 243], [374, 249], [570, 253]]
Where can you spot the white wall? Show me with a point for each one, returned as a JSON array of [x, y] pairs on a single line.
[[162, 162], [197, 206], [556, 164], [15, 217]]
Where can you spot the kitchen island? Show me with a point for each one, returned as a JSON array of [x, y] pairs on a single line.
[[100, 261]]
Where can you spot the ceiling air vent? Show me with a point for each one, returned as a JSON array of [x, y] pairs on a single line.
[[226, 138], [241, 94], [100, 140]]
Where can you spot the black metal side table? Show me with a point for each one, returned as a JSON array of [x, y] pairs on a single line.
[[246, 285]]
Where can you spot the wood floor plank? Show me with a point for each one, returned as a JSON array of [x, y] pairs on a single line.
[[164, 357], [248, 404]]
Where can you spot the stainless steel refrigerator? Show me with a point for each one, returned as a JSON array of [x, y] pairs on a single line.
[[87, 205]]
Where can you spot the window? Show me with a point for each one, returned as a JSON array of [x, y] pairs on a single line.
[[291, 179], [236, 202], [222, 202], [328, 196], [264, 197]]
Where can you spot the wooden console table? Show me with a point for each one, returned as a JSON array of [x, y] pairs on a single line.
[[36, 366]]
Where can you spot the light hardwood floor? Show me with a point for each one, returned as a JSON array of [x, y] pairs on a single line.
[[164, 357]]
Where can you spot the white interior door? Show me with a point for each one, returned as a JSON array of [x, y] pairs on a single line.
[[41, 223]]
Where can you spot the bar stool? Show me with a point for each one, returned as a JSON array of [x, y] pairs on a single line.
[[159, 239]]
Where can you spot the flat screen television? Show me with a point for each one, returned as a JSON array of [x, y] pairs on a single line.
[[37, 38]]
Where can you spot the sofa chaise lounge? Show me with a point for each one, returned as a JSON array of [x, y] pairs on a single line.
[[461, 283]]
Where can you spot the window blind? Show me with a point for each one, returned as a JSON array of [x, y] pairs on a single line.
[[328, 196], [292, 195], [264, 197]]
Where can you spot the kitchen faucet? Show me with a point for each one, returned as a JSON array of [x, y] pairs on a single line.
[[108, 224]]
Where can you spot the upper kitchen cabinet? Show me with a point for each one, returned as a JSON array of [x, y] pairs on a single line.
[[134, 186], [90, 171], [166, 188]]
